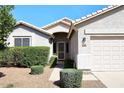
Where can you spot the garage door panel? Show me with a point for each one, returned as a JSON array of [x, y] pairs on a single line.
[[106, 57], [106, 66], [107, 53], [115, 52], [115, 48], [122, 58], [97, 48], [106, 62], [98, 52], [122, 48], [122, 41], [115, 57], [98, 57], [106, 48]]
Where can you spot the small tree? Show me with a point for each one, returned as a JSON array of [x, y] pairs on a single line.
[[7, 23]]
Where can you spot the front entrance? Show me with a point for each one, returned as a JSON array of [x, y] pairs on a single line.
[[61, 46], [61, 50]]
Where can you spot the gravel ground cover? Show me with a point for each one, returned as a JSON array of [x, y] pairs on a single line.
[[13, 77]]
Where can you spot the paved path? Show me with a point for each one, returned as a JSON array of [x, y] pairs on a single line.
[[111, 79], [89, 79], [55, 74], [88, 76]]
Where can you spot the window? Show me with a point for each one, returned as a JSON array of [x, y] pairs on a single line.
[[22, 41], [54, 47], [67, 48], [26, 41], [17, 41]]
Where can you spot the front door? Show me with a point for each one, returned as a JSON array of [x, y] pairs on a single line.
[[61, 50]]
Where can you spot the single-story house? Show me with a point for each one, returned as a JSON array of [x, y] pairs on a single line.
[[95, 42]]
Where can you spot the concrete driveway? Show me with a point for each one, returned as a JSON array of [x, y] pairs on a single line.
[[111, 79]]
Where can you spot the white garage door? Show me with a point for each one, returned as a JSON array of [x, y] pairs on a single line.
[[107, 53]]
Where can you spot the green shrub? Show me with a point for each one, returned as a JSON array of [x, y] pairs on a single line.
[[71, 78], [26, 56], [36, 69], [68, 63], [53, 61], [5, 57], [1, 55]]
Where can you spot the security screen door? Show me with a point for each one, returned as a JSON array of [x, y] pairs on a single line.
[[61, 50]]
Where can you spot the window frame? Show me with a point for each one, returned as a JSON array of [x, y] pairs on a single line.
[[67, 47], [54, 48], [22, 37]]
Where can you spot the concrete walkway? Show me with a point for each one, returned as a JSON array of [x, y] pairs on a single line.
[[89, 79], [111, 79], [56, 74], [88, 76]]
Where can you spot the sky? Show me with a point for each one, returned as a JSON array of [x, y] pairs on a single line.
[[41, 15]]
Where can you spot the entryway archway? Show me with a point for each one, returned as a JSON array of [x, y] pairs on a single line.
[[61, 45]]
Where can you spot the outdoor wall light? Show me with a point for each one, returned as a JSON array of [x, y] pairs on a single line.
[[83, 41], [50, 40]]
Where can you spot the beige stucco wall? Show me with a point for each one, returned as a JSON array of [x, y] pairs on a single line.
[[58, 28], [37, 38], [74, 46], [110, 20], [111, 23]]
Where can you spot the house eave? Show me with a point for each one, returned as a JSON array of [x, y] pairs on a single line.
[[49, 26], [33, 27], [72, 28], [95, 14]]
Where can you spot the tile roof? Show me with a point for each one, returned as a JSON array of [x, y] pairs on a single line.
[[64, 20], [33, 27], [94, 14]]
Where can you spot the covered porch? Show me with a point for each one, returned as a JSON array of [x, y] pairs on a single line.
[[61, 45]]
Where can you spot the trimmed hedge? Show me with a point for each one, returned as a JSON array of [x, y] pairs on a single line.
[[71, 78], [1, 55], [53, 61], [68, 63], [36, 70], [25, 56], [6, 57]]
